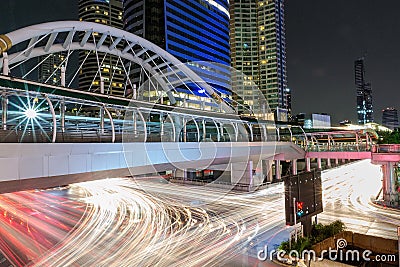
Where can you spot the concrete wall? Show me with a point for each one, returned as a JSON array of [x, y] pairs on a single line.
[[378, 245]]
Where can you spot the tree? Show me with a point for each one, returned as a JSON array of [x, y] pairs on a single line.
[[389, 137], [319, 233]]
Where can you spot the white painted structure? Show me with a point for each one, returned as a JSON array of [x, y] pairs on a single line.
[[88, 161]]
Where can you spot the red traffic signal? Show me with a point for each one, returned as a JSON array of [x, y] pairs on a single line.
[[299, 205], [299, 208]]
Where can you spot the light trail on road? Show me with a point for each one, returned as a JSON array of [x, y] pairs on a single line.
[[125, 226], [347, 195], [149, 222]]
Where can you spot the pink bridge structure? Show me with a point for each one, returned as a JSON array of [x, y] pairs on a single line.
[[327, 149]]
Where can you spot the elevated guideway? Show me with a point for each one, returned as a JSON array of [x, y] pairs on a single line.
[[44, 165]]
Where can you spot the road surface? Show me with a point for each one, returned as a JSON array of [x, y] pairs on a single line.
[[148, 222]]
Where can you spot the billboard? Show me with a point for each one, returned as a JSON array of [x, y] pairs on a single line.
[[321, 121]]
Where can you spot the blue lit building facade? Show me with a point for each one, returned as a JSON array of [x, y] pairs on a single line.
[[192, 31]]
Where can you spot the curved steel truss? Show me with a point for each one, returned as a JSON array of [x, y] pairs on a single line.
[[19, 46]]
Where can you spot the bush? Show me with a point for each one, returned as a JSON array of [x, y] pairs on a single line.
[[302, 243], [319, 233]]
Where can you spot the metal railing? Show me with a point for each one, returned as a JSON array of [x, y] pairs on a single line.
[[386, 148], [338, 147]]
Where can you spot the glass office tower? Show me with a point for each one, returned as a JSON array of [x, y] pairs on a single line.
[[390, 118], [108, 12], [365, 113], [259, 48], [192, 31]]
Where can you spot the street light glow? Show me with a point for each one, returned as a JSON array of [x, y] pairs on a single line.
[[30, 113]]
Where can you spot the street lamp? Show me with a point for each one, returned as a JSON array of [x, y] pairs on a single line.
[[30, 113]]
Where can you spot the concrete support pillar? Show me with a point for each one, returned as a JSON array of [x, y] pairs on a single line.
[[204, 130], [53, 114], [268, 170], [62, 115], [343, 160], [263, 172], [278, 169], [101, 85], [62, 76], [336, 162], [134, 118], [4, 108], [249, 171], [221, 131], [6, 68], [294, 167], [101, 108], [308, 164], [134, 93], [390, 196], [178, 127], [184, 130], [329, 164], [242, 173], [161, 125], [181, 174], [319, 163], [236, 128], [102, 120], [112, 125]]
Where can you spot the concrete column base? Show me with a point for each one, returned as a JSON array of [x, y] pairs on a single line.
[[181, 174], [242, 173], [308, 164], [294, 167], [390, 196], [278, 170], [319, 163]]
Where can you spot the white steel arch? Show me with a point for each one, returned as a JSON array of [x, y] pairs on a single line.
[[53, 37]]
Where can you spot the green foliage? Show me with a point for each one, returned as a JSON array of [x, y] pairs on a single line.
[[285, 245], [302, 243], [319, 233], [389, 137]]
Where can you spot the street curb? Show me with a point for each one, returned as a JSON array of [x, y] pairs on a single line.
[[383, 207]]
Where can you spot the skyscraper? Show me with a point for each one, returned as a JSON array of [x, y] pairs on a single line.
[[259, 47], [49, 71], [390, 118], [108, 12], [189, 30], [365, 112]]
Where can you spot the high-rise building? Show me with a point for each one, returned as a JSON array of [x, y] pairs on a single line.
[[108, 12], [259, 48], [288, 99], [191, 31], [390, 118], [365, 113], [49, 70]]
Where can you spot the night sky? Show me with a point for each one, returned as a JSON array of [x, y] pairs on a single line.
[[323, 39]]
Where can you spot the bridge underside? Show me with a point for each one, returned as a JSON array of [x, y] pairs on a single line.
[[39, 166]]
